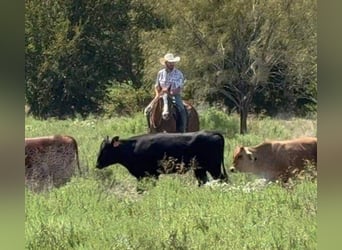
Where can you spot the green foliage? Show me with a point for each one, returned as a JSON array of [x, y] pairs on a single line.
[[47, 44], [237, 50], [257, 57], [102, 209], [172, 215], [74, 50], [123, 99], [214, 119]]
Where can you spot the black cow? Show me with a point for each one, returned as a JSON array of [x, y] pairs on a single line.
[[142, 155]]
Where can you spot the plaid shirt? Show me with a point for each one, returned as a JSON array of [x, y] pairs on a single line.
[[166, 79]]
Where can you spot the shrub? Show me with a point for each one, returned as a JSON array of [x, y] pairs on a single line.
[[124, 99], [214, 119]]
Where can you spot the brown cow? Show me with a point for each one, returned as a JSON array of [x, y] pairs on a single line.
[[276, 159], [50, 160]]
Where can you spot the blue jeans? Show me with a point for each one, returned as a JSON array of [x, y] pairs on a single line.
[[179, 103]]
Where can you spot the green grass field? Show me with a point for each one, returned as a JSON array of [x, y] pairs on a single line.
[[101, 209]]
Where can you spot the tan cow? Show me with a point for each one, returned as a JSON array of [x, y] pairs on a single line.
[[50, 160], [276, 159]]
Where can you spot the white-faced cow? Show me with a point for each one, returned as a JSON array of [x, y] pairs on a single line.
[[50, 160], [143, 155], [276, 159]]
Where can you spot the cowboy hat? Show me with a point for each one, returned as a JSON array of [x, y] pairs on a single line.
[[169, 57]]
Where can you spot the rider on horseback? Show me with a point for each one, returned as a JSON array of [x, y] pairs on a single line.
[[170, 79]]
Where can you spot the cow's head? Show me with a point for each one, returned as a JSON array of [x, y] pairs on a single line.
[[243, 160], [108, 153]]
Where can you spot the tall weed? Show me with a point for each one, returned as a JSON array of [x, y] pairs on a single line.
[[102, 209]]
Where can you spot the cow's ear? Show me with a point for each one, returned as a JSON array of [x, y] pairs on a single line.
[[250, 156], [115, 141], [115, 138]]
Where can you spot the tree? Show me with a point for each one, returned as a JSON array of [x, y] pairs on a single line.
[[236, 49], [74, 51]]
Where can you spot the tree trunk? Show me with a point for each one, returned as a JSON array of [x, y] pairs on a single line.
[[243, 120], [244, 107]]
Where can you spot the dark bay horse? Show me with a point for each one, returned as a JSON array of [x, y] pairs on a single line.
[[164, 116]]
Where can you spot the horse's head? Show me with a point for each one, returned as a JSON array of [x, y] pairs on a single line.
[[166, 103], [161, 110]]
